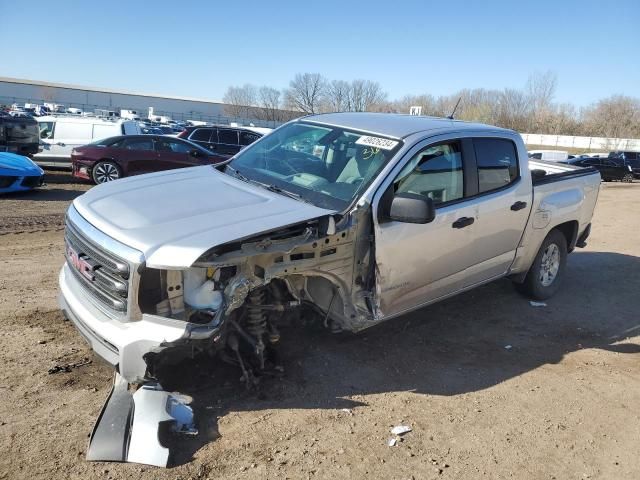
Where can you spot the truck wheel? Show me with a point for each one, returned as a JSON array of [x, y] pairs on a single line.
[[628, 178], [545, 274], [104, 171]]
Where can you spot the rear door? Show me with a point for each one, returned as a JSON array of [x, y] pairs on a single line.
[[228, 141], [502, 206], [176, 154], [137, 155]]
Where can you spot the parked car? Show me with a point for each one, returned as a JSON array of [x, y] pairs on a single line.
[[609, 168], [18, 134], [222, 138], [18, 173], [549, 155], [391, 213], [630, 158], [59, 135], [127, 155]]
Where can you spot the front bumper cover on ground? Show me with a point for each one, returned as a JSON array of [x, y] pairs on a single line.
[[129, 423]]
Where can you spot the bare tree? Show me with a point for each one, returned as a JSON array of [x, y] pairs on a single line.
[[614, 117], [365, 95], [269, 101], [305, 92], [239, 101], [337, 96], [541, 88]]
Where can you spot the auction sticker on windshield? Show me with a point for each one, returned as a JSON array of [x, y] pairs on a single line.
[[383, 143]]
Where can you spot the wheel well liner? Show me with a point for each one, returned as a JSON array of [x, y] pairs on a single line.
[[570, 232]]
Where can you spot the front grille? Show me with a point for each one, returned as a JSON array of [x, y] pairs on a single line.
[[32, 182], [103, 275]]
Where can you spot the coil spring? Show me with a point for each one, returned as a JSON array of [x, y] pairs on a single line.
[[256, 319]]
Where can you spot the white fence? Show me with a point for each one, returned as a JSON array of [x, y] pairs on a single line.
[[588, 143]]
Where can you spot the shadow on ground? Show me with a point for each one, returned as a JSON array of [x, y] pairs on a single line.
[[451, 348]]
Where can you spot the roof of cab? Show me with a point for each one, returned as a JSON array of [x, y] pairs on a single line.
[[396, 125]]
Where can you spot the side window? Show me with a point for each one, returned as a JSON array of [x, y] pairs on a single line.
[[46, 130], [137, 144], [435, 172], [179, 147], [228, 137], [247, 138], [497, 163], [201, 135]]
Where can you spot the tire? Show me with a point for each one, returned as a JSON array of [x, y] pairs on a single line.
[[628, 178], [546, 272], [105, 171]]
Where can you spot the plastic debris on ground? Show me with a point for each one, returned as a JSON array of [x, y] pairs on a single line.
[[508, 347], [392, 442], [537, 304], [400, 430]]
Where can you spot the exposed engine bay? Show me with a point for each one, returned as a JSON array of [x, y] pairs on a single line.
[[237, 297]]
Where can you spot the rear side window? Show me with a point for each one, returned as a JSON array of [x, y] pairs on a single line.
[[138, 144], [201, 135], [497, 163], [247, 138], [228, 137]]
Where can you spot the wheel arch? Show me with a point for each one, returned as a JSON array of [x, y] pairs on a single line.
[[570, 231]]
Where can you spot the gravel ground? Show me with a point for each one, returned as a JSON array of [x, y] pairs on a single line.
[[559, 403]]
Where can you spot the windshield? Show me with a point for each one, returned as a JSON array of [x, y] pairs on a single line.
[[326, 166]]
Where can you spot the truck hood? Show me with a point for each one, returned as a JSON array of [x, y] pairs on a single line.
[[173, 217]]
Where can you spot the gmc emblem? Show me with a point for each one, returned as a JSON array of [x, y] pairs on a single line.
[[80, 264]]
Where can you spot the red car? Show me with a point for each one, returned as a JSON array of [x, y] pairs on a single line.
[[117, 157]]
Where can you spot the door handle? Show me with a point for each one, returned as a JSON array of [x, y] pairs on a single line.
[[518, 206], [463, 222]]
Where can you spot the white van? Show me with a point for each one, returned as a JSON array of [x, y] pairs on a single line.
[[549, 155], [61, 134], [129, 114]]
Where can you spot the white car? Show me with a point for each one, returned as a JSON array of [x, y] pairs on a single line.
[[549, 155], [61, 134]]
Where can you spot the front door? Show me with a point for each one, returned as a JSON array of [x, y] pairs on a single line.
[[419, 263]]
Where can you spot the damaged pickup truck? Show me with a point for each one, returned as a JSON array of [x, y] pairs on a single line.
[[357, 217]]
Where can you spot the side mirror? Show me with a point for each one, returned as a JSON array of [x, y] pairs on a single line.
[[412, 208]]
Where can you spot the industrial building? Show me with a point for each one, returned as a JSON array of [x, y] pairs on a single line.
[[88, 99]]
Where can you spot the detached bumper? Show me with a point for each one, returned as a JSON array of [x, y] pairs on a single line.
[[120, 342]]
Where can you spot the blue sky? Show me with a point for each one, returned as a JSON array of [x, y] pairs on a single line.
[[198, 49]]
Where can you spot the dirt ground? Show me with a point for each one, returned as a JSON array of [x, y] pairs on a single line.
[[560, 403]]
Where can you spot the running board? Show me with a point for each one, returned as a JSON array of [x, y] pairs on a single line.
[[129, 423]]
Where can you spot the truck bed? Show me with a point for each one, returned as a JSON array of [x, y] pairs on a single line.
[[555, 172]]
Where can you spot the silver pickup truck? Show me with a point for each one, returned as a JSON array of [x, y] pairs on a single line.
[[354, 218]]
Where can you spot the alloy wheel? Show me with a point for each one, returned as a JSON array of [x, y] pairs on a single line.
[[549, 264]]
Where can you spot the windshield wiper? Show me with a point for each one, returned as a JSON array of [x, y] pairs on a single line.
[[286, 193], [237, 174], [270, 187]]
